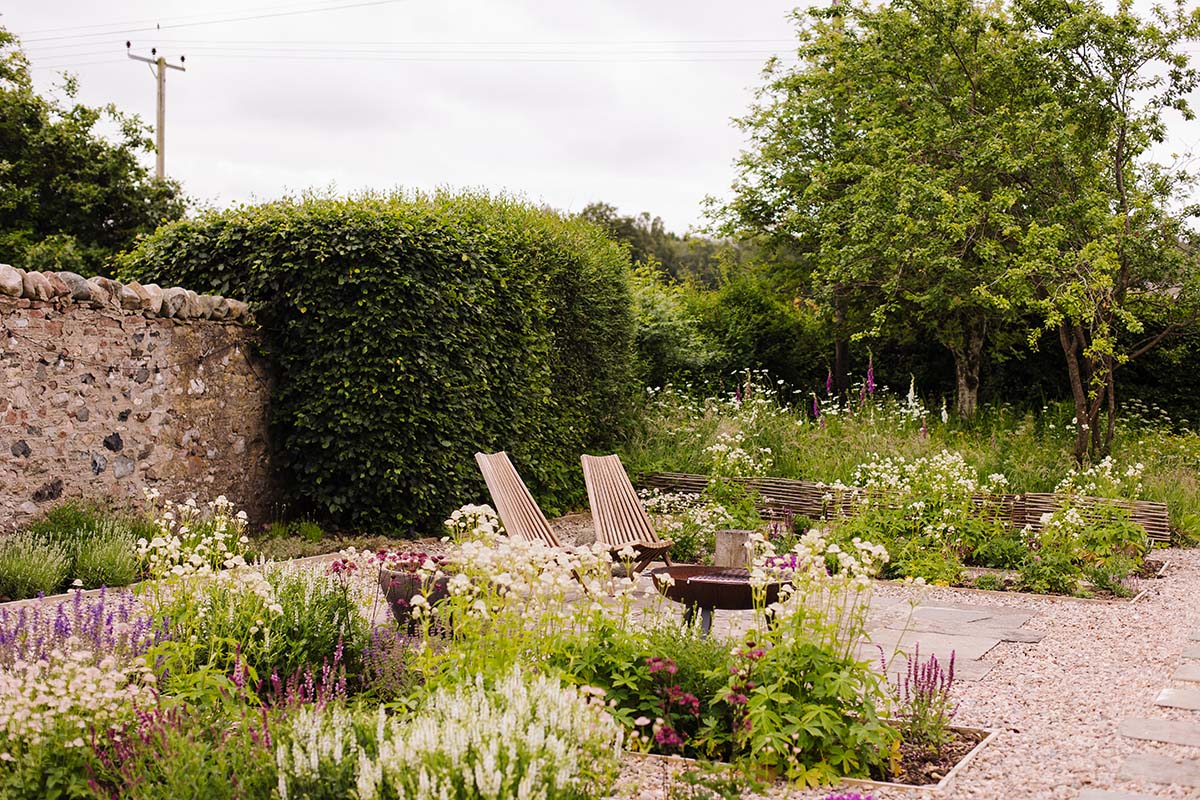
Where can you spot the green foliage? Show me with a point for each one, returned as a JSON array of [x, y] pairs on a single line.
[[280, 624], [108, 559], [221, 751], [685, 258], [752, 325], [409, 332], [31, 565], [70, 198], [670, 347]]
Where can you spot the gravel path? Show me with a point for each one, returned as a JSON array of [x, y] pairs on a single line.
[[1058, 701]]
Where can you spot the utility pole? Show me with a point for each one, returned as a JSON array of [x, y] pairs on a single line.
[[158, 64]]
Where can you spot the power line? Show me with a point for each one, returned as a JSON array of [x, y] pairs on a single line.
[[305, 51], [159, 20], [222, 21], [666, 59], [451, 42]]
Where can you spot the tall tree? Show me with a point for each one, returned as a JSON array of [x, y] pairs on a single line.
[[69, 197], [895, 159], [1117, 246]]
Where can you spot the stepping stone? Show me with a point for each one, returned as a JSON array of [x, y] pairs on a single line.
[[1161, 730], [1187, 671], [1179, 698], [965, 648], [1192, 652], [1161, 769], [1103, 794], [964, 669], [953, 616], [985, 628]]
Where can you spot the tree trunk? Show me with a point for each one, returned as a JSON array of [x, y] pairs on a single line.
[[968, 363], [841, 348], [1070, 347]]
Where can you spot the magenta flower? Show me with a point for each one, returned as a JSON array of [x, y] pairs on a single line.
[[816, 407], [667, 737], [829, 383], [871, 375], [657, 664]]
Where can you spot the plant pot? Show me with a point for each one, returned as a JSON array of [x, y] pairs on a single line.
[[399, 588]]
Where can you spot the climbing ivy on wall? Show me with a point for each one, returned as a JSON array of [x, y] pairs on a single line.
[[410, 331]]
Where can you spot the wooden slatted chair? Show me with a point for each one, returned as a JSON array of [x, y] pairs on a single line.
[[515, 506], [617, 513]]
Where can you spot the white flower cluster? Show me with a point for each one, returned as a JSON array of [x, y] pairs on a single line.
[[673, 513], [731, 457], [473, 522], [66, 694], [526, 737], [1105, 479], [193, 540], [320, 737], [826, 589], [941, 476], [539, 574]]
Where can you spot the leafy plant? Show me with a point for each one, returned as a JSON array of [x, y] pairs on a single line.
[[31, 565], [109, 558], [924, 708], [410, 331]]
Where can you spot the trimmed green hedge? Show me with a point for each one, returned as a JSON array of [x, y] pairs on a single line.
[[410, 331]]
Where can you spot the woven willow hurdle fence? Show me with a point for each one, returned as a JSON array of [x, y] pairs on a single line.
[[777, 497]]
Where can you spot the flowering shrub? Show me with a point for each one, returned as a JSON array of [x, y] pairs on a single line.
[[1104, 479], [169, 750], [473, 522], [276, 622], [731, 458], [193, 540], [68, 668], [798, 699], [521, 737], [924, 708]]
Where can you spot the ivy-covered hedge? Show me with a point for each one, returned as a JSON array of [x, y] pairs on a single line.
[[410, 331]]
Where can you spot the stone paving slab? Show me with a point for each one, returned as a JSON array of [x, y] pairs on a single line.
[[985, 628], [953, 616], [964, 669], [1187, 671], [1161, 769], [1161, 730], [1179, 698], [940, 644]]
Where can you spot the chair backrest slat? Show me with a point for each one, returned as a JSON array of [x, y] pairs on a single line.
[[617, 511], [515, 506]]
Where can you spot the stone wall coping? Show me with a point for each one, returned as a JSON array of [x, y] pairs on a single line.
[[149, 300]]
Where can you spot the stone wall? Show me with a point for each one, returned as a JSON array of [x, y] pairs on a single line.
[[108, 388]]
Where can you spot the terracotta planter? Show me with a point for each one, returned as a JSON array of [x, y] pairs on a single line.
[[399, 588]]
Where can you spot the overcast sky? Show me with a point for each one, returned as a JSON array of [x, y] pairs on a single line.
[[624, 101]]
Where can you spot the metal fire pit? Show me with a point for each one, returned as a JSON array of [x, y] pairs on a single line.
[[710, 588]]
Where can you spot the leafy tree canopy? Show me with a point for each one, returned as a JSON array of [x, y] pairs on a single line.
[[956, 167], [69, 197]]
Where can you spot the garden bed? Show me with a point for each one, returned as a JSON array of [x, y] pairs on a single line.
[[918, 773]]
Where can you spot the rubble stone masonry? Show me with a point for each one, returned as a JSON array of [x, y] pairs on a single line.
[[100, 398]]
